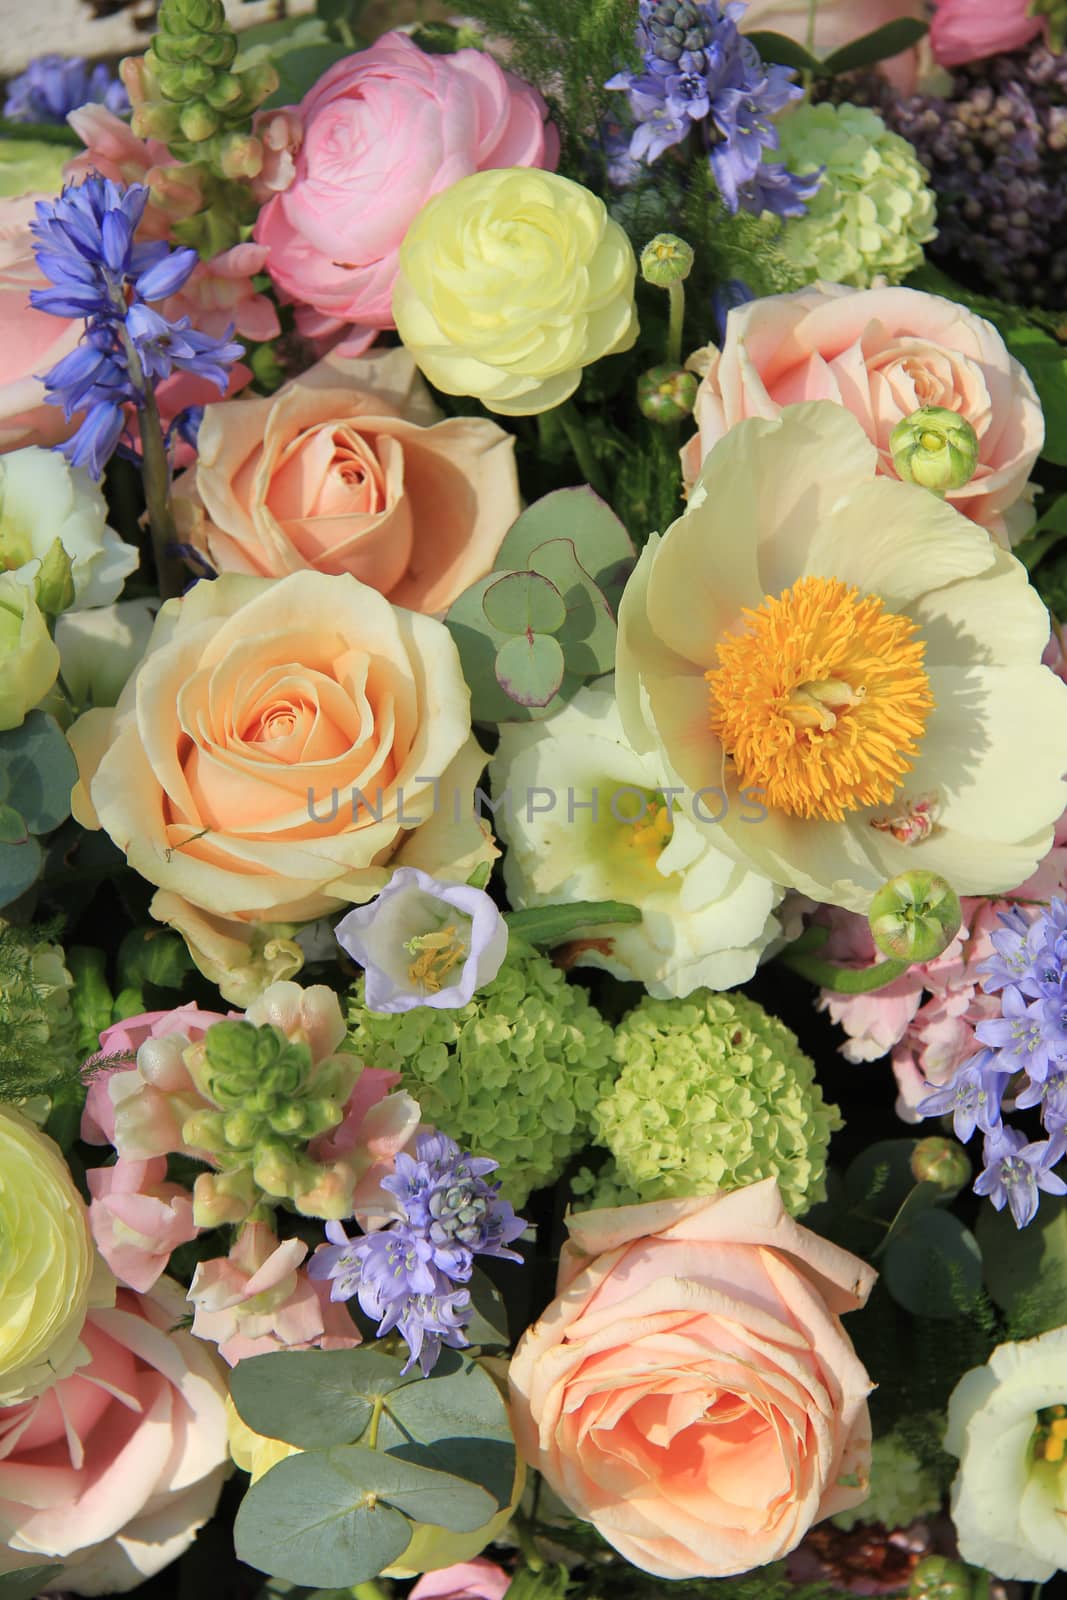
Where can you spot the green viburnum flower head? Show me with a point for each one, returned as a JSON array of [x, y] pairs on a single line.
[[514, 1075], [873, 211], [901, 1490], [714, 1094]]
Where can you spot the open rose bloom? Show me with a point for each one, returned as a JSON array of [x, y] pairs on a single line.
[[691, 1391]]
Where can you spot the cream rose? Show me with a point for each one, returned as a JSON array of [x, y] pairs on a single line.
[[882, 353], [691, 1391], [350, 468], [281, 748]]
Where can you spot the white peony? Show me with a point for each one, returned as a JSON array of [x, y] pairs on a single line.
[[1007, 1422], [856, 651], [42, 499], [706, 920]]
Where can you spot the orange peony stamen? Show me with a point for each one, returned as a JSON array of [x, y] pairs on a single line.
[[821, 701]]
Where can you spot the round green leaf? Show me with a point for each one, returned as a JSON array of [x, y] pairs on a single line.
[[314, 1398], [530, 669], [523, 603], [933, 1267], [13, 829], [457, 1423], [1026, 1268], [307, 1520], [20, 865], [41, 771]]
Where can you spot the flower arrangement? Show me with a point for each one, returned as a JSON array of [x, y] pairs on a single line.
[[533, 804]]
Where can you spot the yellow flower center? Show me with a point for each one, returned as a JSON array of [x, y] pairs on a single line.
[[435, 957], [1050, 1435], [821, 700], [650, 830]]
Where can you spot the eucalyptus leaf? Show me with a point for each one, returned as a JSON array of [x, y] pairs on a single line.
[[550, 925], [487, 1326], [530, 669], [41, 771], [23, 1585], [524, 602], [588, 634], [20, 866], [1026, 1268], [314, 1398], [879, 1179], [13, 829], [455, 1422], [308, 1521], [884, 42], [933, 1266], [602, 543], [438, 1498]]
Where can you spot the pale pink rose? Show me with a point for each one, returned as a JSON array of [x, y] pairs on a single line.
[[470, 1580], [112, 1470], [32, 341], [138, 1218], [115, 152], [349, 469], [837, 23], [256, 1300], [969, 30], [123, 1040], [383, 131], [219, 297], [691, 1391], [881, 353]]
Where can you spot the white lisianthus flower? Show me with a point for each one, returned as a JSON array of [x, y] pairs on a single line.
[[99, 649], [43, 499], [859, 653], [586, 818], [1007, 1422]]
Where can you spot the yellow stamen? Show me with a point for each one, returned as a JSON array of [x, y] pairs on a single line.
[[650, 830], [821, 701], [436, 956]]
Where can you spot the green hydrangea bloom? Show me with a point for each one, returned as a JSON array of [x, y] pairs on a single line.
[[714, 1094], [601, 1190], [38, 1035], [873, 211], [514, 1075], [902, 1488]]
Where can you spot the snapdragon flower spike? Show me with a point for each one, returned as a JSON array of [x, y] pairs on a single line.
[[86, 245], [1015, 1171], [409, 1275], [700, 74]]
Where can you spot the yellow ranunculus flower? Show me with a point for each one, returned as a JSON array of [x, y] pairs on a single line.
[[511, 282], [255, 1453], [46, 1261], [29, 660]]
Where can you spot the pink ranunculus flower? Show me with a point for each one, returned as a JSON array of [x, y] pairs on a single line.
[[113, 1469], [220, 297], [138, 1218], [469, 1580], [970, 30], [691, 1391], [837, 23], [257, 1299], [382, 131], [882, 354], [32, 341], [114, 151]]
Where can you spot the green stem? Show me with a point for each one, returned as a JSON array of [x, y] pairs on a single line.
[[375, 1422], [981, 1586], [674, 327], [524, 1538], [844, 980], [809, 37], [578, 439], [155, 474]]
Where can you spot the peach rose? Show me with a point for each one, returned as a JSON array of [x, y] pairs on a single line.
[[281, 748], [691, 1392], [350, 469], [32, 341], [112, 1470], [837, 23], [882, 353]]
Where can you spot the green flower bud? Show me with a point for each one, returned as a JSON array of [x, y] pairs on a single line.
[[939, 1578], [55, 581], [935, 448], [666, 260], [942, 1162], [29, 661], [198, 121], [240, 156], [222, 1197], [666, 394], [914, 917]]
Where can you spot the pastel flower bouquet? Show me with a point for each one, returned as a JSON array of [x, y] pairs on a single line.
[[533, 804]]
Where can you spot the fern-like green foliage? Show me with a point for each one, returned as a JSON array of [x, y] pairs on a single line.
[[38, 1034]]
